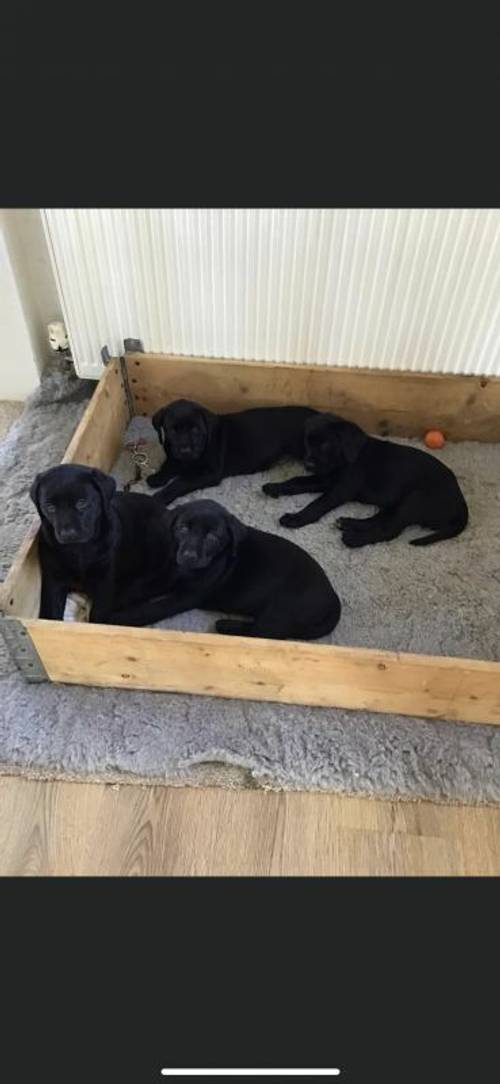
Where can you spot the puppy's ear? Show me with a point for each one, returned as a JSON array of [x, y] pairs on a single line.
[[238, 532], [305, 435], [210, 421], [170, 516], [35, 488], [157, 421], [106, 486], [167, 519], [353, 440]]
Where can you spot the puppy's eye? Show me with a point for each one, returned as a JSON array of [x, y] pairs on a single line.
[[182, 529], [50, 507], [82, 503]]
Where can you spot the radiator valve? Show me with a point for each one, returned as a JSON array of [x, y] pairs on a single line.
[[58, 339]]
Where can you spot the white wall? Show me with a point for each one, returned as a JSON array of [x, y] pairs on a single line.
[[28, 301], [401, 289], [18, 369]]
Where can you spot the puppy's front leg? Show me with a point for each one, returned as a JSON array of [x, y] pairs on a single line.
[[304, 483], [103, 596], [180, 487], [339, 494], [153, 610], [53, 598], [166, 473]]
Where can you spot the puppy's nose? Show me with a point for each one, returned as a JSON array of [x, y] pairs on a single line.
[[67, 534]]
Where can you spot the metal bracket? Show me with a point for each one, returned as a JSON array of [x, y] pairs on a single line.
[[22, 650], [133, 346], [126, 388], [130, 346]]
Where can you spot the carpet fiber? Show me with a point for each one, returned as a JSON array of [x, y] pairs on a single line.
[[443, 601]]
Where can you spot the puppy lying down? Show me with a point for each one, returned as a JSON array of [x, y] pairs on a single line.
[[202, 447], [215, 562], [408, 485], [139, 562]]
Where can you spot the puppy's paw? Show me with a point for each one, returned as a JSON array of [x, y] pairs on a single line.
[[291, 520], [354, 539], [271, 489]]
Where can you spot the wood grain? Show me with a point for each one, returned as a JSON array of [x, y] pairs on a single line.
[[98, 437], [427, 686], [384, 402], [20, 591], [74, 829]]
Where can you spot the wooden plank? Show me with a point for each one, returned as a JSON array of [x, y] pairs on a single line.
[[96, 441], [466, 690], [383, 402], [20, 592]]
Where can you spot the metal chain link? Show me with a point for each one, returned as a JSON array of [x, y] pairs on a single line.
[[140, 461]]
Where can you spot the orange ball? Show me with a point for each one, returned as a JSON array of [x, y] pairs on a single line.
[[434, 439]]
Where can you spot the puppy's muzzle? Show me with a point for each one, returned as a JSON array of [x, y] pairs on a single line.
[[66, 535], [188, 558]]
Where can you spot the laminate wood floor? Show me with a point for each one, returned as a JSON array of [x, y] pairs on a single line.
[[69, 829]]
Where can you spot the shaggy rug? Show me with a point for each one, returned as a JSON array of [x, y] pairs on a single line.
[[442, 600]]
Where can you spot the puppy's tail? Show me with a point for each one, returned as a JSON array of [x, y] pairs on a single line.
[[456, 526]]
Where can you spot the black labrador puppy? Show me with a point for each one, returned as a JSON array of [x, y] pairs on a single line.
[[203, 448], [215, 562], [109, 545], [408, 485]]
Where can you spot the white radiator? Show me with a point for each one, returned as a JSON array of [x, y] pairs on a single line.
[[399, 289]]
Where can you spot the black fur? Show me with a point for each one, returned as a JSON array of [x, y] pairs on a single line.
[[202, 448], [408, 485], [109, 545], [217, 563]]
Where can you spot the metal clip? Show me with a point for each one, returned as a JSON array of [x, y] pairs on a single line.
[[22, 649], [133, 346]]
